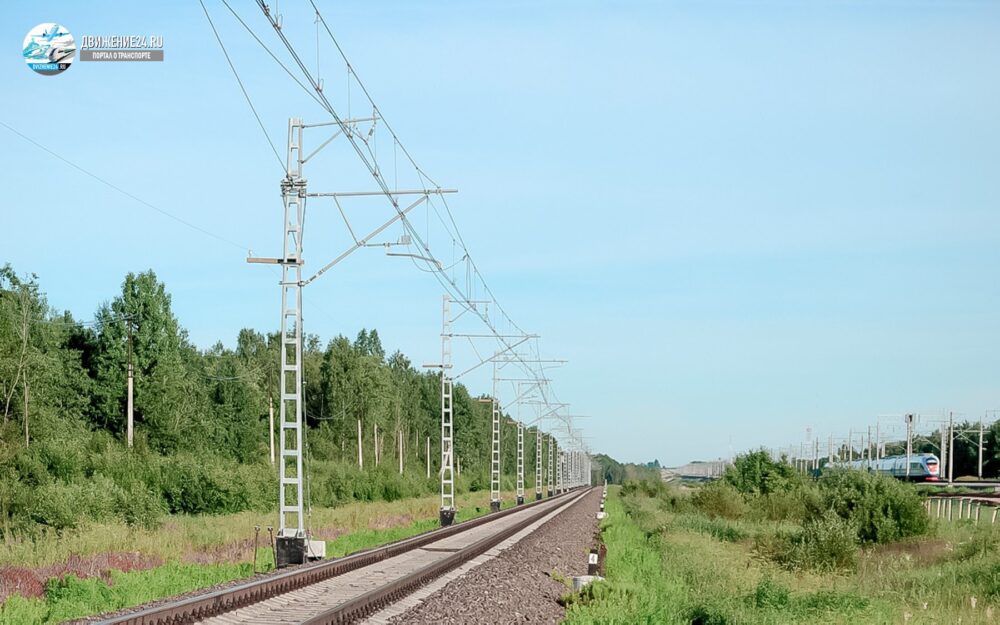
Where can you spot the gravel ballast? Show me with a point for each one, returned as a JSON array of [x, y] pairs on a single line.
[[520, 585]]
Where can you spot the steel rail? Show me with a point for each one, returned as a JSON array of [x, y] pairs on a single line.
[[212, 603], [373, 601]]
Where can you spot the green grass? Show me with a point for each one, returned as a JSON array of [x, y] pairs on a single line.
[[680, 568], [367, 538], [638, 589], [183, 535], [365, 525], [72, 598]]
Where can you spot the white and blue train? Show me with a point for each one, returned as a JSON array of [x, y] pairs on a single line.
[[923, 467]]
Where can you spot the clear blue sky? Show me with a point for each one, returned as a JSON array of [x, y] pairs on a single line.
[[735, 219]]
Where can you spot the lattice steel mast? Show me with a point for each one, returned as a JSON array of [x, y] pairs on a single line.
[[520, 462], [550, 475], [447, 512], [495, 448], [293, 196], [538, 462]]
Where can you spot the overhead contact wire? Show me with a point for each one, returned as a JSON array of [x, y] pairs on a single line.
[[246, 95]]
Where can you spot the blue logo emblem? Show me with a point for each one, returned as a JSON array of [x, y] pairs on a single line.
[[49, 49]]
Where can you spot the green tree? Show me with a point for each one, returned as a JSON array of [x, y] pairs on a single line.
[[166, 398], [758, 474], [21, 308]]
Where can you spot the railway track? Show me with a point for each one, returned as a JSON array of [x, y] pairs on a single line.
[[348, 589]]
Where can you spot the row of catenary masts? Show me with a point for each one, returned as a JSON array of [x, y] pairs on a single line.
[[564, 469], [868, 445], [570, 467], [567, 469]]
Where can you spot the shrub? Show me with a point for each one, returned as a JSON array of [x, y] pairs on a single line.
[[879, 507], [707, 614], [55, 505], [62, 459], [336, 483], [138, 505], [788, 505], [669, 498], [646, 488], [827, 543], [770, 594], [830, 543], [196, 485], [62, 505], [757, 474], [984, 541], [719, 499], [674, 501], [982, 575], [30, 470]]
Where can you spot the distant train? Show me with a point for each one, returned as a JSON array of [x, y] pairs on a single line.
[[923, 467]]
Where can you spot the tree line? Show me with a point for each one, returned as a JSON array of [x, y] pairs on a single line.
[[202, 416], [607, 468]]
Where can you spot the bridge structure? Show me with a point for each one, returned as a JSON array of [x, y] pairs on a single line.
[[697, 470]]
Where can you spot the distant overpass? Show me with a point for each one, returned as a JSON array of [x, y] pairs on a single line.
[[710, 470]]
